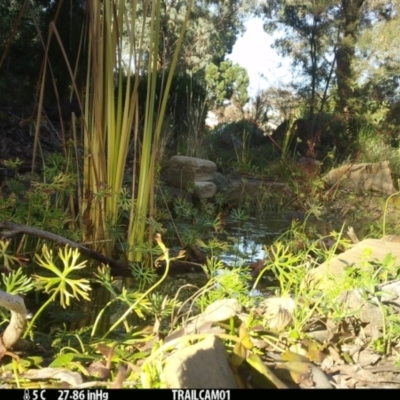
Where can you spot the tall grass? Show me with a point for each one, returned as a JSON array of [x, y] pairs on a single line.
[[375, 147], [111, 115], [110, 118]]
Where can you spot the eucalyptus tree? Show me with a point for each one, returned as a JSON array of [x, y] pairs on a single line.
[[308, 36], [337, 46], [378, 60]]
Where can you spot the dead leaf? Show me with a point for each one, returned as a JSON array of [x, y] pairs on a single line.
[[238, 355], [122, 373], [301, 372], [107, 352], [288, 355], [313, 351], [255, 362], [98, 370]]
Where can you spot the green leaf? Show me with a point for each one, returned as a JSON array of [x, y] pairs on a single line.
[[63, 360]]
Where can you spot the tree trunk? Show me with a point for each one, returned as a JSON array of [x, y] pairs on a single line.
[[351, 11]]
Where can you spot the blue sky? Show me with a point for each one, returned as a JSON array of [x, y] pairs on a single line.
[[253, 51]]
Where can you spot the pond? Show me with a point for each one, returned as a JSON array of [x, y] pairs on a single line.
[[250, 237]]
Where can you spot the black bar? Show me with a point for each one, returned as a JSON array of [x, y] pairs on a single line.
[[110, 394], [170, 394]]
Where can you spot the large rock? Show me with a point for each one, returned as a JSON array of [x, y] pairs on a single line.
[[203, 365], [184, 172], [361, 255], [220, 310], [205, 189], [365, 176]]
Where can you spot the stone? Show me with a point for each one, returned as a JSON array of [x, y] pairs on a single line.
[[223, 183], [365, 176], [201, 366], [184, 171], [360, 256], [220, 310], [205, 189], [370, 314]]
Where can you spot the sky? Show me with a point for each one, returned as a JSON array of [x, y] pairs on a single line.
[[253, 52]]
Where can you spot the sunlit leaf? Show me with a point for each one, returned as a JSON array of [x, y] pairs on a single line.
[[60, 284], [292, 356], [299, 371], [314, 351], [62, 361], [259, 366], [238, 355]]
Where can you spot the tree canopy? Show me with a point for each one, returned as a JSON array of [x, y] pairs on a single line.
[[339, 47]]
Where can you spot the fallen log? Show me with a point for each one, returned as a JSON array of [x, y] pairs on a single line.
[[11, 338], [117, 268]]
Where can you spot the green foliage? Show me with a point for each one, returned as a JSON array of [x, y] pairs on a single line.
[[227, 82], [143, 275], [16, 282], [211, 33], [224, 283], [374, 146], [335, 46], [41, 202], [61, 284], [186, 107], [20, 70], [240, 146]]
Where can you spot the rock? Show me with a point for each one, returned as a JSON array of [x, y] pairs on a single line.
[[223, 183], [201, 366], [366, 176], [204, 189], [391, 238], [183, 171], [220, 310], [370, 314], [360, 256]]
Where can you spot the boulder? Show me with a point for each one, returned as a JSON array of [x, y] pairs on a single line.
[[203, 365], [186, 172], [365, 176], [205, 189]]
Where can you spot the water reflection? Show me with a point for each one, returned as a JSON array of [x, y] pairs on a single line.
[[249, 238]]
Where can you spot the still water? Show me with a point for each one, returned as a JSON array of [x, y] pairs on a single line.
[[249, 238]]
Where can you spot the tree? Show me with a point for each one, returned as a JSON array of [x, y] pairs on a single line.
[[322, 37], [308, 38], [24, 51], [379, 58], [349, 12], [227, 82], [212, 31], [272, 106]]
